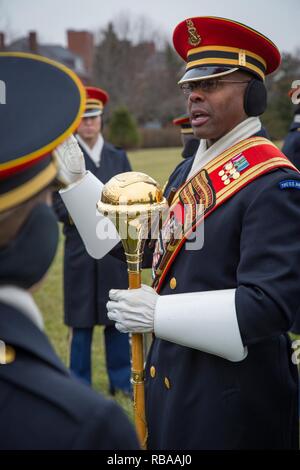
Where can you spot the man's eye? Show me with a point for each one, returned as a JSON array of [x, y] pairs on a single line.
[[208, 85]]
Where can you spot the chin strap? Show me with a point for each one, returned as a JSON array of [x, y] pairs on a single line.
[[97, 232], [27, 257], [205, 321]]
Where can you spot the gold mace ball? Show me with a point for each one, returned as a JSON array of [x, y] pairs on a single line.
[[131, 192], [131, 188], [135, 204]]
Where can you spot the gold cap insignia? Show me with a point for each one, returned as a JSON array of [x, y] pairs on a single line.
[[194, 37], [242, 57]]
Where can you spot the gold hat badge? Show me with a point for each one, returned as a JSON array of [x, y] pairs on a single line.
[[194, 37]]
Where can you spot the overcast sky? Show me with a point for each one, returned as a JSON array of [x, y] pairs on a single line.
[[277, 19]]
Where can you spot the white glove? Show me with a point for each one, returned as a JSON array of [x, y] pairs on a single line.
[[133, 309], [70, 161]]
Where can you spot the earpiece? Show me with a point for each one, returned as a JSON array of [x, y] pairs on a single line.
[[255, 99]]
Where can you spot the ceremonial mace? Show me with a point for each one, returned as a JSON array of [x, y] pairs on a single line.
[[133, 202]]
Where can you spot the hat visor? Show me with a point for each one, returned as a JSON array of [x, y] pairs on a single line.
[[203, 73], [92, 113]]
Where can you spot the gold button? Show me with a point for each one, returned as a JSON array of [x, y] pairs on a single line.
[[173, 283], [167, 383], [7, 353], [152, 371]]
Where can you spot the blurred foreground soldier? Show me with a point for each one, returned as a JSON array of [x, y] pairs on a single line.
[[219, 373], [189, 141], [87, 281], [291, 145], [41, 405]]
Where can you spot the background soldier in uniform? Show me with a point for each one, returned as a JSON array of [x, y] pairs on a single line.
[[87, 281]]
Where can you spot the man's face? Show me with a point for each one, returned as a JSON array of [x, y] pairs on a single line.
[[214, 112], [89, 127]]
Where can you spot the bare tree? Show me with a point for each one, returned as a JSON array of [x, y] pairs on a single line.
[[136, 72], [137, 29]]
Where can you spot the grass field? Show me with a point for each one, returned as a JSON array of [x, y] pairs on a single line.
[[157, 163]]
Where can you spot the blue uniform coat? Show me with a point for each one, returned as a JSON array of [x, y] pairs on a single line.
[[196, 400]]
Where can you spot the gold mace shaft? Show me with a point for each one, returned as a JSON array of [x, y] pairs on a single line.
[[130, 200], [137, 372]]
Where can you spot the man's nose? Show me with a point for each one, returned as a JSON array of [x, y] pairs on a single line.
[[196, 96]]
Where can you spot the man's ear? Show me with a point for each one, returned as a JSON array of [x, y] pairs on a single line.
[[255, 98]]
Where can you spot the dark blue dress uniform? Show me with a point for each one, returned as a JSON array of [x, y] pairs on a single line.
[[41, 405], [196, 400], [291, 148], [87, 281]]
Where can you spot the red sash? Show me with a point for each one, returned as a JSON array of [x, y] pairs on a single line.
[[214, 184]]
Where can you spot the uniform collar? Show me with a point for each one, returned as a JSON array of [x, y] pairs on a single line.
[[242, 131], [23, 302], [95, 152], [17, 330]]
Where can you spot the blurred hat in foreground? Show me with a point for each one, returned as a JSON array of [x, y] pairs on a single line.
[[96, 99], [41, 104]]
